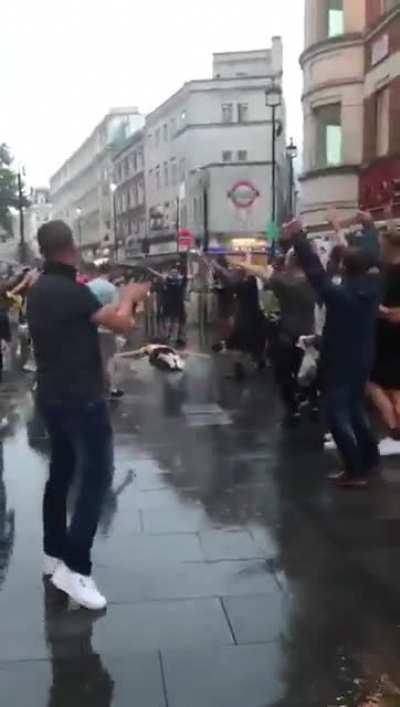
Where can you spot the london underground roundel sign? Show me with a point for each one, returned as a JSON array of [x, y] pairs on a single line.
[[243, 194]]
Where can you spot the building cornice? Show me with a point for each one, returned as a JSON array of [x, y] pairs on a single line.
[[381, 23], [206, 126], [336, 171], [213, 84], [335, 83], [331, 44]]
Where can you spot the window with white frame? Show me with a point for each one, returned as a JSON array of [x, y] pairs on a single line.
[[335, 18], [174, 172], [158, 177], [158, 133], [242, 155], [243, 112], [227, 112], [329, 135], [166, 174], [382, 121], [227, 156], [165, 132]]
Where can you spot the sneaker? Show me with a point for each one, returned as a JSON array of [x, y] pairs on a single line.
[[218, 347], [50, 565], [329, 443], [116, 394], [343, 481], [80, 588], [30, 367], [291, 420], [389, 447], [239, 372], [4, 423]]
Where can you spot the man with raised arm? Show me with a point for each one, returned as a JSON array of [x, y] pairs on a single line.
[[63, 318]]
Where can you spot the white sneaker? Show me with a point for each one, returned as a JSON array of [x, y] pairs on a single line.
[[389, 447], [329, 444], [50, 565], [80, 588]]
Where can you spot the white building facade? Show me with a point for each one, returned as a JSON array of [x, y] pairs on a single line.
[[208, 154], [39, 212], [129, 195], [333, 102], [81, 188]]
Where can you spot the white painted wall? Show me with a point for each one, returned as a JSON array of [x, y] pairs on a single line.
[[84, 179], [200, 141]]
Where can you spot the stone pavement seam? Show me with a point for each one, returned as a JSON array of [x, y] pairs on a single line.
[[228, 621], [163, 679]]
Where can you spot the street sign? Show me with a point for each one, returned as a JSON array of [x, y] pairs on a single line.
[[185, 239]]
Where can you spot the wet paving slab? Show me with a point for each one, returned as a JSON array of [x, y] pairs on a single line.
[[235, 576]]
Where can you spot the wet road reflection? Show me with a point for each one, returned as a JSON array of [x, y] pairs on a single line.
[[236, 577], [7, 524], [84, 681]]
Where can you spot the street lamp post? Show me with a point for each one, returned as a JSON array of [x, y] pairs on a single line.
[[204, 183], [113, 189], [21, 211], [273, 99], [78, 212], [291, 154]]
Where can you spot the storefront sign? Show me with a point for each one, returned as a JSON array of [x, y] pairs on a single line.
[[380, 49], [243, 194]]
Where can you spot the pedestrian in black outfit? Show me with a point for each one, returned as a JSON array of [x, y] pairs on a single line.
[[249, 331], [347, 352], [63, 317], [296, 300], [174, 312]]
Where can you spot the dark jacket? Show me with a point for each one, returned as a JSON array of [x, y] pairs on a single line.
[[348, 340]]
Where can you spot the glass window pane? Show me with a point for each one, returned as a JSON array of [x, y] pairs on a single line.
[[336, 22], [333, 144]]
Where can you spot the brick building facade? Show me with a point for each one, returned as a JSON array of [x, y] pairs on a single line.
[[130, 200], [380, 173], [351, 106]]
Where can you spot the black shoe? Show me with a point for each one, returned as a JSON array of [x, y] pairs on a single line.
[[239, 373], [291, 420], [218, 346], [314, 414], [116, 394]]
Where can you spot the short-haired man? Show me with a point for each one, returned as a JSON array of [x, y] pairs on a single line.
[[63, 318], [347, 351]]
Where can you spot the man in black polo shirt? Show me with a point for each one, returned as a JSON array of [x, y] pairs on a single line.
[[63, 317]]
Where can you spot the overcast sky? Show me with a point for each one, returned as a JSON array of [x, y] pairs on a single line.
[[64, 63]]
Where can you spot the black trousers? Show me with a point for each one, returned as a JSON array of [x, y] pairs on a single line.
[[286, 359], [348, 421], [80, 434]]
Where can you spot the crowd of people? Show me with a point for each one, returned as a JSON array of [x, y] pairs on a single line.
[[332, 339], [335, 345]]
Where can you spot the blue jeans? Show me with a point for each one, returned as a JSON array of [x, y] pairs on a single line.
[[347, 420], [80, 435]]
